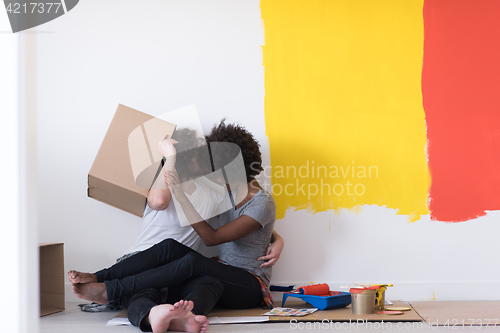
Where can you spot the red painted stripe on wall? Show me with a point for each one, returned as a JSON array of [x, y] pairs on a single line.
[[461, 98]]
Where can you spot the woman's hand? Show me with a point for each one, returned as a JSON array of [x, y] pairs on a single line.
[[273, 252], [173, 182]]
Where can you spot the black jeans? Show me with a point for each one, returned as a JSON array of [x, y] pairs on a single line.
[[171, 264], [203, 291]]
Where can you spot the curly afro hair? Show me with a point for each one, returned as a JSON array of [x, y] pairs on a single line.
[[187, 159], [248, 145]]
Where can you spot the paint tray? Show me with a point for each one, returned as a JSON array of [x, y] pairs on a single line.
[[337, 299]]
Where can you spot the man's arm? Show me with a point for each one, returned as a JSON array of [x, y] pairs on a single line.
[[273, 251], [159, 195]]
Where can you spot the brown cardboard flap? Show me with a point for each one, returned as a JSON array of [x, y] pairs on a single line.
[[47, 311], [51, 278], [128, 152], [130, 201]]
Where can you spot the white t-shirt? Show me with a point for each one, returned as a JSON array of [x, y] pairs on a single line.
[[205, 201], [160, 225]]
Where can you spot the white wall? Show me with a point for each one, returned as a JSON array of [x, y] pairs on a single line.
[[19, 309], [157, 56], [10, 202]]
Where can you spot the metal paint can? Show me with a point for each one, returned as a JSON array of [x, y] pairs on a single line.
[[380, 299], [363, 302]]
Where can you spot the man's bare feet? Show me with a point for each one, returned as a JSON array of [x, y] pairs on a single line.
[[190, 323], [161, 316], [79, 277], [94, 292]]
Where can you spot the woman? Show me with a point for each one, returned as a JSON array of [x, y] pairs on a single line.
[[244, 235]]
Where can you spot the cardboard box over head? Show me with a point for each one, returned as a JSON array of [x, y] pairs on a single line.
[[128, 160]]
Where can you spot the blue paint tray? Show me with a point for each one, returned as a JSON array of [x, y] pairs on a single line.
[[337, 299]]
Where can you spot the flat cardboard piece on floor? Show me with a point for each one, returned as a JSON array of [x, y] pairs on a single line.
[[340, 314], [128, 160], [121, 314], [121, 319], [459, 313], [51, 278]]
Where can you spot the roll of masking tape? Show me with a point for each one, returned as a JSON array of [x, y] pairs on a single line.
[[398, 308], [391, 312]]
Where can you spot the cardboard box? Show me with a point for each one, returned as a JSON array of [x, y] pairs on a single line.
[[128, 160], [51, 278]]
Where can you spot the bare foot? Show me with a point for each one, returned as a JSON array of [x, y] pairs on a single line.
[[79, 277], [162, 315], [190, 323], [94, 292]]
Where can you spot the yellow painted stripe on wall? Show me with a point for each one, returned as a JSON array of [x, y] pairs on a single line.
[[343, 92]]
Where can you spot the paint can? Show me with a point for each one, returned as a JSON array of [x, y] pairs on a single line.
[[363, 301], [380, 299]]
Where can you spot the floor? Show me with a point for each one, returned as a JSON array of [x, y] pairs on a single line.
[[75, 321]]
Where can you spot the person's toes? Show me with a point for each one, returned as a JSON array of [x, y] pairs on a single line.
[[189, 305], [71, 276]]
